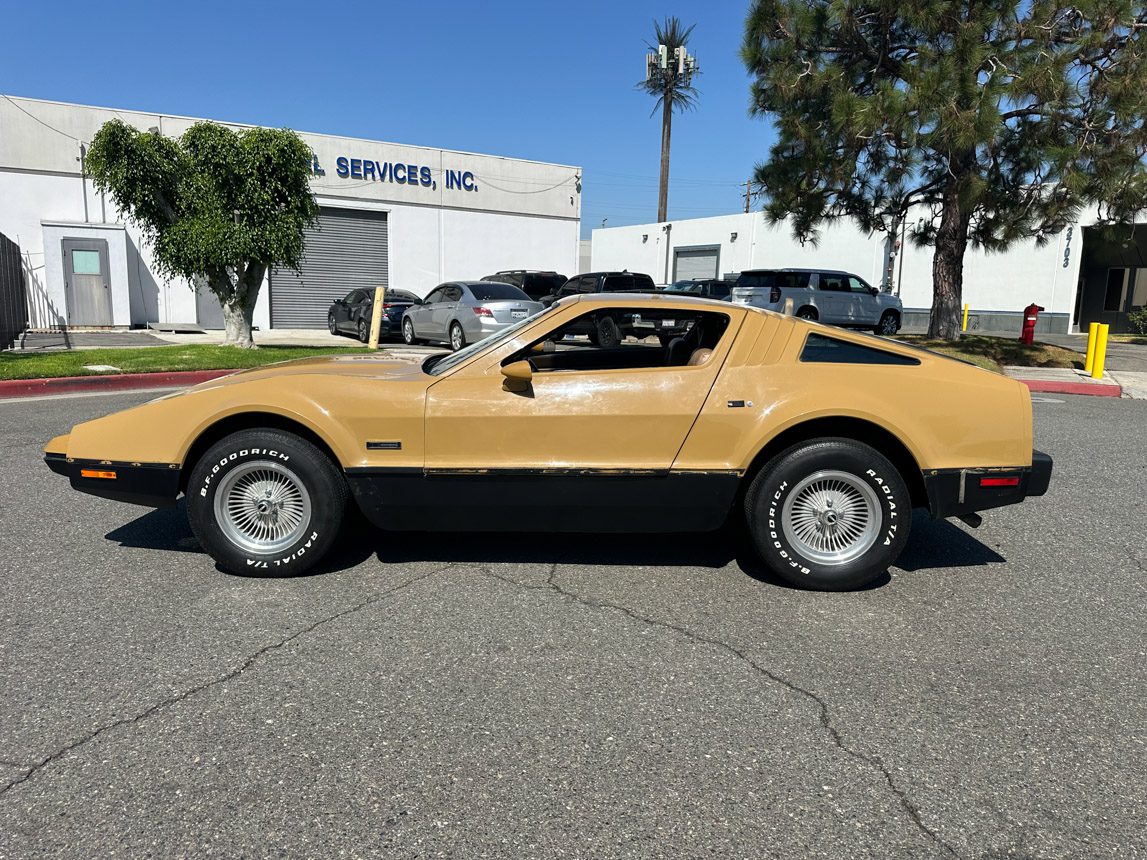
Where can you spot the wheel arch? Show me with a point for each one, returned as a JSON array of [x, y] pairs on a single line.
[[249, 421], [847, 427], [808, 306]]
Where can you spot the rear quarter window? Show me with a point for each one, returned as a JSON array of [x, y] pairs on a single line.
[[820, 349]]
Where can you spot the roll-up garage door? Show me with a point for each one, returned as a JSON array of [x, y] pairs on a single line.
[[689, 263], [345, 250]]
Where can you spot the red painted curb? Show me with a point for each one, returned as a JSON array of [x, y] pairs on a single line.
[[1095, 389], [115, 382]]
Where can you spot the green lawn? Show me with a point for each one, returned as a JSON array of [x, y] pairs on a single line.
[[1129, 338], [20, 365], [993, 353]]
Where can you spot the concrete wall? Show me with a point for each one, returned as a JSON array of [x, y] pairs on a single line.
[[995, 285]]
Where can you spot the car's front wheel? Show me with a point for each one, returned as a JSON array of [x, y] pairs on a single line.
[[889, 324], [265, 503], [363, 331], [830, 514], [331, 324]]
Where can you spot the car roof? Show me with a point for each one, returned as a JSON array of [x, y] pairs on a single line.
[[598, 274], [793, 269], [654, 299]]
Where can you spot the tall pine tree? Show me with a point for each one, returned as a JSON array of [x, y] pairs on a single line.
[[1003, 118]]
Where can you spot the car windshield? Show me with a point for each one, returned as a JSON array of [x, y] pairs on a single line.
[[438, 364], [493, 290]]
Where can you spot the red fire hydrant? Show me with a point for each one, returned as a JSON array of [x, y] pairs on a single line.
[[1031, 314]]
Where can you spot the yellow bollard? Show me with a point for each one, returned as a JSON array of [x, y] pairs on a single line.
[[964, 327], [376, 315], [1100, 352], [1089, 358]]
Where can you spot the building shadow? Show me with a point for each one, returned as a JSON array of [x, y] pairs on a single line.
[[932, 545]]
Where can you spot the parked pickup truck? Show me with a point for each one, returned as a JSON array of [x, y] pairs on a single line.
[[830, 296]]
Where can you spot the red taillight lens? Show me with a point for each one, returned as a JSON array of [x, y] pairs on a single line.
[[774, 295], [482, 312], [1000, 482]]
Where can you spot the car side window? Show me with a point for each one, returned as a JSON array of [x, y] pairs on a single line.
[[719, 290], [587, 284], [350, 297], [514, 279], [832, 283], [435, 296], [452, 293], [794, 280], [637, 338], [858, 286]]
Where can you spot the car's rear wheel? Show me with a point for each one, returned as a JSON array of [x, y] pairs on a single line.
[[363, 331], [265, 503], [457, 336], [331, 324], [807, 313], [408, 332], [889, 324], [830, 514], [608, 334]]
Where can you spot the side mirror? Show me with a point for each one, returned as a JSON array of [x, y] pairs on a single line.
[[518, 375], [874, 291]]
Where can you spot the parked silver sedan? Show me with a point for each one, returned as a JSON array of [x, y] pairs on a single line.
[[462, 312]]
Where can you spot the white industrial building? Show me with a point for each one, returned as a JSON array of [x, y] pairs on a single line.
[[1077, 277], [400, 216]]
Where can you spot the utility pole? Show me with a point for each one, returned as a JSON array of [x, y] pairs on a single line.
[[667, 72], [748, 194]]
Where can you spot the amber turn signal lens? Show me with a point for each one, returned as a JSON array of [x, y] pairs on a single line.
[[97, 473]]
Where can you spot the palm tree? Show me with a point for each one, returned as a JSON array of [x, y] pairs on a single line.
[[673, 88]]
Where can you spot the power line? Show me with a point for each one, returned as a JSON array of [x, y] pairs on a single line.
[[40, 121]]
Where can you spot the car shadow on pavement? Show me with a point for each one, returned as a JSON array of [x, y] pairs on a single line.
[[932, 544]]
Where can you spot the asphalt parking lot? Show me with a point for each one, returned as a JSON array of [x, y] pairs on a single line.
[[510, 696]]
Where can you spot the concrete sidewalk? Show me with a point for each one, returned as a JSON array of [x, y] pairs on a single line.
[[1065, 380]]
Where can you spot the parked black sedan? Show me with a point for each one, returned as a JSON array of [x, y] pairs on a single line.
[[351, 314]]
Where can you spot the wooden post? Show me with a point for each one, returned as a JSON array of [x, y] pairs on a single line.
[[376, 315]]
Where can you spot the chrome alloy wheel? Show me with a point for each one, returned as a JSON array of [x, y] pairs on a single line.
[[262, 507], [457, 340], [831, 517]]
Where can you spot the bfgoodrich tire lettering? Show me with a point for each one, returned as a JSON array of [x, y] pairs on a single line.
[[265, 503], [794, 503]]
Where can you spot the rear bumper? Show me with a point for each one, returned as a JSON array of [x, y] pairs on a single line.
[[155, 485], [952, 492]]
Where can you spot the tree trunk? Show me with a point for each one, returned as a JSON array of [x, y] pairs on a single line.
[[238, 302], [948, 264], [663, 191], [237, 324]]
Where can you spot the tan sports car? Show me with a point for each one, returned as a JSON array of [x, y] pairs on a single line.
[[822, 440]]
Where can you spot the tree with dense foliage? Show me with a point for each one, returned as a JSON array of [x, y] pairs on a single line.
[[219, 207], [674, 90], [1002, 119]]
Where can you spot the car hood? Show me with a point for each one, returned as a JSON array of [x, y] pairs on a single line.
[[358, 366]]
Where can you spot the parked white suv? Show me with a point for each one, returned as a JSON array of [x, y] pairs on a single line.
[[837, 298]]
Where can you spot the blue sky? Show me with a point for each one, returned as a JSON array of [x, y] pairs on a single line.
[[544, 81]]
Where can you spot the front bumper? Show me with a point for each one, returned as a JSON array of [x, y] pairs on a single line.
[[155, 485], [953, 492]]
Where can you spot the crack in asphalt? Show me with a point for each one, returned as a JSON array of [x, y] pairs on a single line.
[[906, 804], [247, 663]]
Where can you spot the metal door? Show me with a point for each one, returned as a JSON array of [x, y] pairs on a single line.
[[87, 285], [695, 263], [345, 250]]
